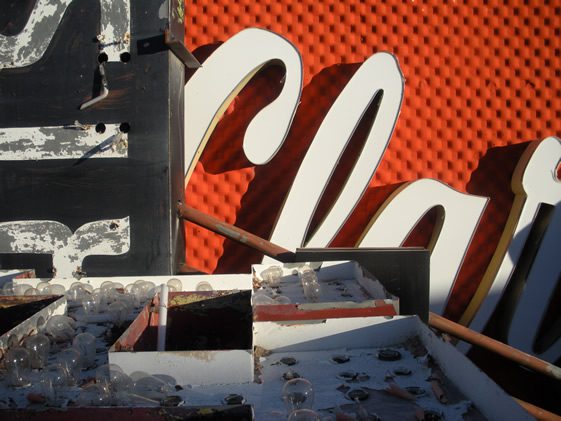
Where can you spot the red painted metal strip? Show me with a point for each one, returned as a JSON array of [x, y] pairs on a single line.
[[286, 312]]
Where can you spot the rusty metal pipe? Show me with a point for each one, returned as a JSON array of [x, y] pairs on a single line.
[[234, 233], [537, 412], [513, 354]]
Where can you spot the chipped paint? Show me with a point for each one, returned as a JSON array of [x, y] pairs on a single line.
[[30, 44], [62, 142], [115, 28], [105, 237]]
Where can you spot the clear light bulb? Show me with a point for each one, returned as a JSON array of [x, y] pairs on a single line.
[[203, 286], [55, 289], [174, 285], [121, 382], [18, 366], [60, 328], [143, 290], [298, 394], [31, 291], [305, 269], [58, 375], [20, 289], [42, 287], [282, 299], [134, 298], [129, 300], [102, 302], [94, 395], [76, 292], [118, 286], [137, 375], [310, 285], [149, 289], [87, 287], [303, 415], [45, 387], [108, 290], [38, 346], [40, 324], [118, 313], [105, 372], [118, 383], [8, 288], [152, 388], [70, 360], [106, 285], [111, 295], [261, 298], [272, 275], [137, 291], [312, 291], [90, 304], [85, 344]]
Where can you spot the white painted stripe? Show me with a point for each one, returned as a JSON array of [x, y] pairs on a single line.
[[60, 142]]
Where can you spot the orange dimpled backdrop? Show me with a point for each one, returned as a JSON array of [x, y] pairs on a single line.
[[480, 82]]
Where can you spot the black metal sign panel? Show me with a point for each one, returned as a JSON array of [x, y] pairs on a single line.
[[91, 129]]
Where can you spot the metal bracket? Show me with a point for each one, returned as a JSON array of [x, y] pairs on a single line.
[[104, 89], [181, 52]]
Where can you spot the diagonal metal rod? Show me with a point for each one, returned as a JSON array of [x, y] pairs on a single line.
[[234, 233], [537, 412], [495, 346]]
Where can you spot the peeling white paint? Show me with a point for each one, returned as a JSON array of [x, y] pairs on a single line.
[[105, 237], [30, 44], [115, 28], [60, 142]]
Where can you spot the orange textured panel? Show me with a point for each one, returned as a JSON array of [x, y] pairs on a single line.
[[481, 81]]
